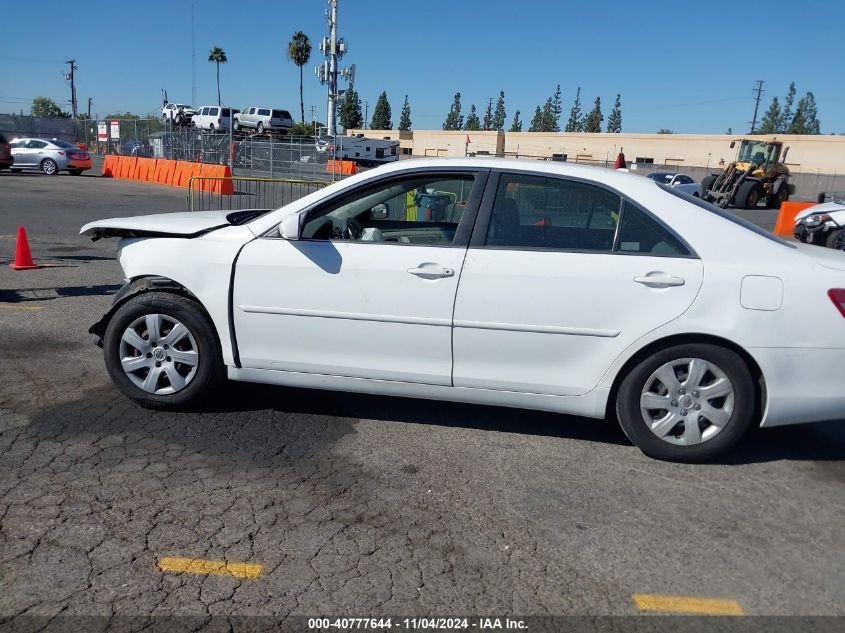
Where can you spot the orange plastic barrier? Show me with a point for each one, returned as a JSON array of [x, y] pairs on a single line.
[[152, 164], [786, 218], [133, 167], [341, 167], [165, 172], [109, 166], [141, 169]]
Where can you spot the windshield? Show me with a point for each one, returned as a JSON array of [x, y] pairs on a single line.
[[758, 152], [661, 177], [63, 144], [727, 215]]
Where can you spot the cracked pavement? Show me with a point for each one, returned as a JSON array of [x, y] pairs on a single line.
[[354, 504]]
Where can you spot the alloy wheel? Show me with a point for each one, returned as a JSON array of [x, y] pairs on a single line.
[[159, 354], [687, 401]]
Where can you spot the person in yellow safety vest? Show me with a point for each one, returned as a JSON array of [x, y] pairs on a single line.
[[411, 207]]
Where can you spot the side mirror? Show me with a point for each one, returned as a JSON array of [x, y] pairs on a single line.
[[380, 212], [785, 152], [733, 144], [289, 228]]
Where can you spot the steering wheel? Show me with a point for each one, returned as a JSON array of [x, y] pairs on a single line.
[[352, 230]]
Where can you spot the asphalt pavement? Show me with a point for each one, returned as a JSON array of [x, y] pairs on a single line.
[[286, 502]]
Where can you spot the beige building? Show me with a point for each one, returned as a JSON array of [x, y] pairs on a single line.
[[807, 154]]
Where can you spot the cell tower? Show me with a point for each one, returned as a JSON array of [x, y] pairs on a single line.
[[333, 48]]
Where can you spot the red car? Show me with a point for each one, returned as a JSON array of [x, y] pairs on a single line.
[[6, 159]]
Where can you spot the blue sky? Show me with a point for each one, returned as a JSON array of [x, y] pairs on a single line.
[[671, 62]]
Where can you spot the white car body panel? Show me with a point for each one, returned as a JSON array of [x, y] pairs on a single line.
[[352, 318], [188, 223]]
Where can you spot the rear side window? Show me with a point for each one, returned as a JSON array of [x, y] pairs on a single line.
[[643, 235], [553, 213], [281, 114], [3, 139], [224, 112], [264, 112]]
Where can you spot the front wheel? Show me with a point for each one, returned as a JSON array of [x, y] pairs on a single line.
[[687, 403], [836, 240], [162, 352], [748, 195], [260, 128], [49, 167]]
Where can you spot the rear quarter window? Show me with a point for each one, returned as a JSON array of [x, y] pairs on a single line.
[[264, 112]]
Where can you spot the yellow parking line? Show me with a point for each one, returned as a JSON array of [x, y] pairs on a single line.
[[213, 567], [21, 308], [686, 604]]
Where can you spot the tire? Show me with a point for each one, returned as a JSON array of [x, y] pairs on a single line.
[[76, 172], [49, 167], [706, 185], [673, 439], [748, 195], [236, 125], [16, 171], [177, 119], [259, 129], [774, 201], [201, 371], [836, 240]]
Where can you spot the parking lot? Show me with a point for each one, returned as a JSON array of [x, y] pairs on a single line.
[[350, 504]]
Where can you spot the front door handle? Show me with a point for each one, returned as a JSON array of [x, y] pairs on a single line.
[[660, 280], [431, 272]]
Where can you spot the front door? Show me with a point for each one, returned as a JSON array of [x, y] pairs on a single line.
[[554, 288], [369, 290]]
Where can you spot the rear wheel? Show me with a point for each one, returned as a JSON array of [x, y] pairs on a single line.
[[836, 240], [76, 172], [774, 201], [687, 403], [748, 195], [260, 128], [16, 171], [161, 351], [49, 167], [706, 185]]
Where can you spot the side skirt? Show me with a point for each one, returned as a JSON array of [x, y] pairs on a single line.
[[591, 405]]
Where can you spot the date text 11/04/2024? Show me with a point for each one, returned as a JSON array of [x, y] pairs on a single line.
[[413, 624]]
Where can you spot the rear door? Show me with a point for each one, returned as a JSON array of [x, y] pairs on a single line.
[[561, 276]]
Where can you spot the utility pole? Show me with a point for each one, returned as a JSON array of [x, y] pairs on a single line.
[[366, 113], [759, 93], [70, 77], [90, 100], [193, 61], [333, 48]]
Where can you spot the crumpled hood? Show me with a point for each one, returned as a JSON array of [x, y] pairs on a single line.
[[826, 207], [186, 224]]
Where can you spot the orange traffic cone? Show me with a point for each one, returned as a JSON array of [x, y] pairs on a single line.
[[23, 258]]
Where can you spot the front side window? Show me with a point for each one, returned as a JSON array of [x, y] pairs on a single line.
[[416, 210], [36, 144], [540, 212], [213, 111], [264, 112]]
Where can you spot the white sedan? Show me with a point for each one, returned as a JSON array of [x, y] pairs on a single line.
[[516, 283], [681, 182]]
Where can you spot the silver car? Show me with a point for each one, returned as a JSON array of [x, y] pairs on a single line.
[[50, 156], [264, 120]]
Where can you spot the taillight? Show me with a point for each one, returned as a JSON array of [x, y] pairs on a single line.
[[60, 153], [837, 295]]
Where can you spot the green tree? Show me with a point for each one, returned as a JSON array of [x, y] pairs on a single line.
[[405, 116], [382, 114], [218, 56], [454, 120], [351, 117], [46, 107], [786, 114], [575, 124], [798, 125], [500, 115], [301, 129], [556, 110], [516, 126], [811, 114], [473, 123], [299, 52], [488, 117], [664, 130], [614, 121], [548, 116], [593, 121], [771, 120], [537, 121]]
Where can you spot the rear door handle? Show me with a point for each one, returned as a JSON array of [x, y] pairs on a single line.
[[431, 272], [660, 280]]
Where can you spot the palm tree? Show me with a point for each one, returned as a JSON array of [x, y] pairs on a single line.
[[218, 56], [299, 52]]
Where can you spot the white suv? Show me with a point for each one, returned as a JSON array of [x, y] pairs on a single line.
[[178, 113], [264, 120], [214, 117]]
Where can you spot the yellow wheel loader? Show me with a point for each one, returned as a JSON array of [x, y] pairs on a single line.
[[758, 173]]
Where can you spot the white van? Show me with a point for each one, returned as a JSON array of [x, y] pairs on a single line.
[[214, 118]]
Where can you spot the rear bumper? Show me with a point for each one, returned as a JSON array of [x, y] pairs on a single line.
[[79, 164], [5, 163], [802, 385]]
